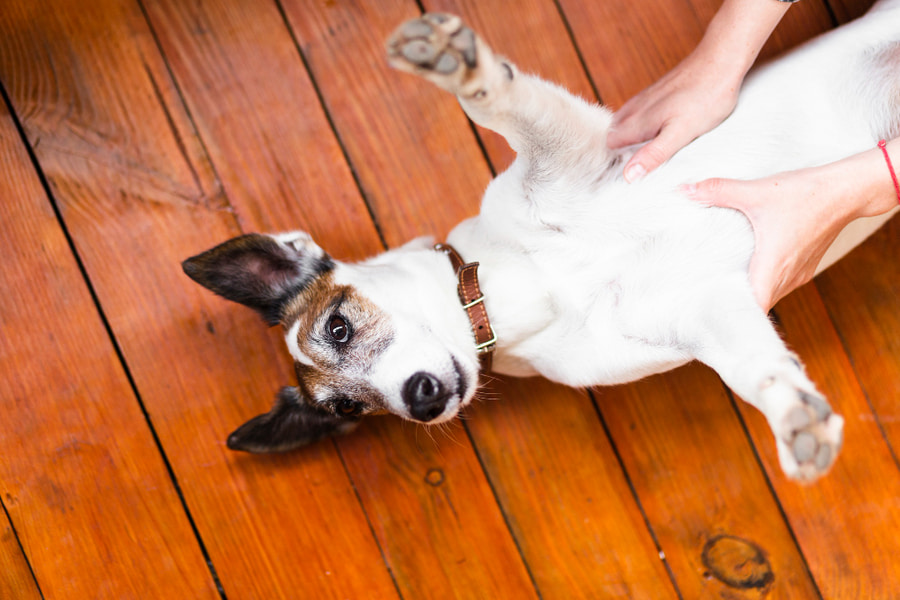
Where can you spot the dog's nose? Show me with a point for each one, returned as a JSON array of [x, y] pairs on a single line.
[[425, 396]]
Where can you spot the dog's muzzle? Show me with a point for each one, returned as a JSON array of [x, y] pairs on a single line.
[[425, 397]]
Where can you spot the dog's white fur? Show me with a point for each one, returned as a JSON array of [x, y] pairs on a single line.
[[589, 280]]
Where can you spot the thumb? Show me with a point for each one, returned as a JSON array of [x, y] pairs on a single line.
[[716, 192], [656, 152]]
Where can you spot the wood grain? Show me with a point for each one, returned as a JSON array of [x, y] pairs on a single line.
[[564, 493], [865, 476], [332, 209], [16, 580], [81, 475], [861, 293], [434, 512], [261, 121], [698, 479], [138, 195], [847, 10], [165, 127], [410, 145], [644, 44]]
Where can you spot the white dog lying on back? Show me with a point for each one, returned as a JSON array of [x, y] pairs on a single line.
[[586, 280]]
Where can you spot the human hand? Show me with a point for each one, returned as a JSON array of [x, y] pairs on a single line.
[[797, 215], [794, 218], [685, 103], [700, 92]]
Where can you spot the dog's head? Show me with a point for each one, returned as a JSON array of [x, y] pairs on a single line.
[[384, 335]]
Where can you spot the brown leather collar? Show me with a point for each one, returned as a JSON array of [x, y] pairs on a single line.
[[472, 299]]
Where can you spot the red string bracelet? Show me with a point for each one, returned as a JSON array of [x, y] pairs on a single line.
[[883, 145]]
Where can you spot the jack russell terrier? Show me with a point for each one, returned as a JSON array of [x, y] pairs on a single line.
[[580, 277]]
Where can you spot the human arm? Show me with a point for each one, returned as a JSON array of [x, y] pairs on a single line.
[[797, 215], [701, 91]]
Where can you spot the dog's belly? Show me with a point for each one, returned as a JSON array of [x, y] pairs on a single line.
[[610, 361]]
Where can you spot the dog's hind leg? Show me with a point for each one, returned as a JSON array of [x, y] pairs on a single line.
[[555, 131], [745, 350]]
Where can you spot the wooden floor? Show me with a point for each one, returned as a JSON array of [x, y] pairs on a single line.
[[135, 133]]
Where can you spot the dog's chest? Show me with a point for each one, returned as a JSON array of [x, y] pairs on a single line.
[[582, 288]]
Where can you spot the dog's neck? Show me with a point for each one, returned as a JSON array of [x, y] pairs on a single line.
[[472, 300]]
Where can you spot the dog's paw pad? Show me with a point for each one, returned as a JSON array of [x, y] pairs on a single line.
[[812, 434], [435, 43], [417, 28], [446, 64]]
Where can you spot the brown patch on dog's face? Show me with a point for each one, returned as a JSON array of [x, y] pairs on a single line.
[[336, 335]]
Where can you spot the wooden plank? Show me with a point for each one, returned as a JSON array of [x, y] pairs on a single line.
[[640, 45], [858, 499], [564, 493], [138, 195], [409, 144], [420, 175], [699, 483], [81, 476], [16, 579], [434, 512], [862, 293], [262, 124], [847, 10]]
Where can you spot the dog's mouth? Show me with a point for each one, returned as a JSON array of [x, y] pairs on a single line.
[[466, 385], [462, 383]]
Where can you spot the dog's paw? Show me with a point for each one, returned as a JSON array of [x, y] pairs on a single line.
[[438, 47], [810, 438]]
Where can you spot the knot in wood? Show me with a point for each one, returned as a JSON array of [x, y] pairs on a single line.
[[737, 562]]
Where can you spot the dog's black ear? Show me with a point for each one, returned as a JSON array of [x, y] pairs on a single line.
[[291, 423], [260, 271]]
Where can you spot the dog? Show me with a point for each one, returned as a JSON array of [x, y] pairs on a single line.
[[580, 277]]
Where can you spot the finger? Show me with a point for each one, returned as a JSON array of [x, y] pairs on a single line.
[[712, 192], [628, 131], [619, 137], [669, 141]]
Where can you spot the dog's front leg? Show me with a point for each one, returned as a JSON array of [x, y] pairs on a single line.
[[558, 133]]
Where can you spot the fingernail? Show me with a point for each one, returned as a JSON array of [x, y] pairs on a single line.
[[635, 172], [692, 191], [688, 189]]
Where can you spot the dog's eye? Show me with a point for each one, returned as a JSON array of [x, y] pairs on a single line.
[[347, 407], [338, 330]]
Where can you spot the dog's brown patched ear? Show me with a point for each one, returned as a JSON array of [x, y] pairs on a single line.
[[291, 423], [260, 271]]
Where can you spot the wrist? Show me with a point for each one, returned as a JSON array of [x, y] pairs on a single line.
[[738, 32], [861, 185]]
